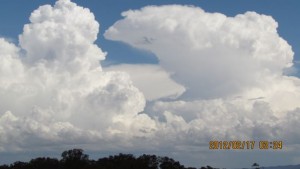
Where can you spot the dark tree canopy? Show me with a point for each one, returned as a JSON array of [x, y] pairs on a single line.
[[76, 159], [255, 165], [44, 163], [74, 155]]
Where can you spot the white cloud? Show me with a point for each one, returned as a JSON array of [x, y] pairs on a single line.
[[210, 54], [152, 80], [231, 67], [53, 90], [54, 93], [61, 37], [215, 56]]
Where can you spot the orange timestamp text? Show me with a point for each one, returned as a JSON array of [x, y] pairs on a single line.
[[245, 145]]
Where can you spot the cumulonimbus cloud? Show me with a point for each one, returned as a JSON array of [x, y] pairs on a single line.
[[211, 54], [214, 56], [231, 67], [53, 90]]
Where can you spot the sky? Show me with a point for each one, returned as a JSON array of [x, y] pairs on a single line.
[[155, 77]]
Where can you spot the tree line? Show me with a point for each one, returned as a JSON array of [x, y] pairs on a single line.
[[77, 159]]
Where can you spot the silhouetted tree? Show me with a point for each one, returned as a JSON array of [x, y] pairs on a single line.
[[121, 161], [19, 165], [74, 159], [255, 165], [4, 167], [169, 163], [148, 161], [209, 167], [44, 163]]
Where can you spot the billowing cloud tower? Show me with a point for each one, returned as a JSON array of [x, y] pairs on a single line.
[[53, 89]]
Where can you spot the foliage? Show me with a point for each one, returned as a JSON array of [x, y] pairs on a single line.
[[76, 159]]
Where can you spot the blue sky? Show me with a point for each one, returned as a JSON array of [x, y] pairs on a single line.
[[162, 97]]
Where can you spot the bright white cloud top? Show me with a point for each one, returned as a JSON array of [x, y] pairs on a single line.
[[215, 56], [53, 89], [211, 54], [231, 67], [223, 77]]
